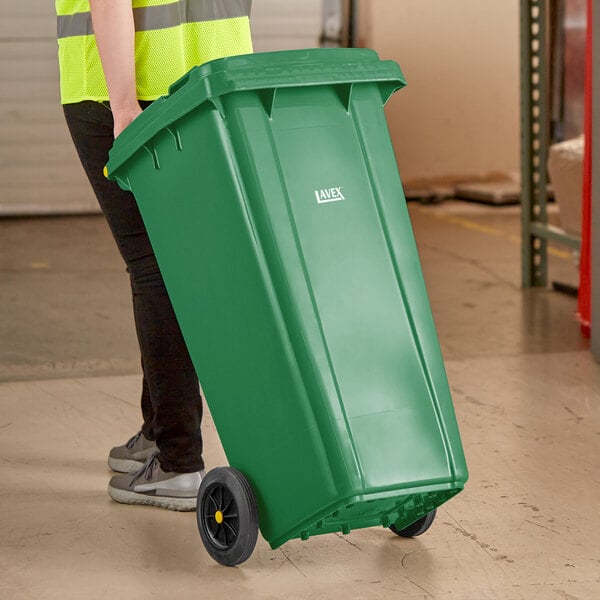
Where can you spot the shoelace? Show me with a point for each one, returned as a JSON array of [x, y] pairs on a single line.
[[146, 471], [132, 440]]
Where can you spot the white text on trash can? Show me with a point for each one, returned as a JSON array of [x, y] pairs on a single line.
[[333, 194]]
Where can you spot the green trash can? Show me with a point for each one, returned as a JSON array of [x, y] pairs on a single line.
[[270, 192]]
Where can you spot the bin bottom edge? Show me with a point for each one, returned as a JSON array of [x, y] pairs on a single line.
[[382, 509]]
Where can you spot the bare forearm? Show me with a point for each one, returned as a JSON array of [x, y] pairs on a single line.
[[115, 38]]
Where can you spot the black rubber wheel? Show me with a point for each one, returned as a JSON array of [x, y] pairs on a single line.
[[227, 516], [417, 528]]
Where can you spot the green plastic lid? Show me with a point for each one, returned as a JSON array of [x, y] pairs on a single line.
[[265, 70]]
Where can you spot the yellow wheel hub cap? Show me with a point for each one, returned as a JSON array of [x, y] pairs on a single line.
[[219, 517]]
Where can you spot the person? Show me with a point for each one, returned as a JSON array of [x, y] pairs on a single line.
[[115, 58]]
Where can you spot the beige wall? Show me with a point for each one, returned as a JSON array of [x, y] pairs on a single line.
[[459, 115], [39, 170], [286, 25]]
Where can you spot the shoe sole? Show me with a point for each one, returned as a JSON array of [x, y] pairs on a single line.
[[168, 502], [124, 465]]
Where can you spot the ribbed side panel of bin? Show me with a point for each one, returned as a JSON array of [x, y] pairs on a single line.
[[276, 212]]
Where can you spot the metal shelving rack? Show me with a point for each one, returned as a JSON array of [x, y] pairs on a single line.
[[535, 138]]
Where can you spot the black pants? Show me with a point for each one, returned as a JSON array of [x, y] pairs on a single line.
[[171, 401]]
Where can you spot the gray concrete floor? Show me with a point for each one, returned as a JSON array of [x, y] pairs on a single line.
[[527, 397]]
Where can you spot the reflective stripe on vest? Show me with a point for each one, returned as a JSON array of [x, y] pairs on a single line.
[[148, 18], [171, 37]]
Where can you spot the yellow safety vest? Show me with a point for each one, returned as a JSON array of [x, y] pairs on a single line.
[[172, 36]]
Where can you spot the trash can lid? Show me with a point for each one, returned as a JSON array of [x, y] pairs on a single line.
[[264, 70]]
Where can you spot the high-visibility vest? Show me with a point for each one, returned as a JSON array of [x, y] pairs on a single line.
[[171, 37]]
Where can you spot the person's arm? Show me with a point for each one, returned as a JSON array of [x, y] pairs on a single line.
[[115, 38]]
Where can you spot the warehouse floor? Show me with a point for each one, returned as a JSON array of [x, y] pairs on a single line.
[[527, 397]]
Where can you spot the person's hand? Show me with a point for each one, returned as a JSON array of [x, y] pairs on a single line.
[[123, 116]]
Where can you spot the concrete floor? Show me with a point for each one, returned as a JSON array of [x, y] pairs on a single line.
[[527, 397]]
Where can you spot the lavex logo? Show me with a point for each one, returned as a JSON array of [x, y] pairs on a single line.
[[333, 194]]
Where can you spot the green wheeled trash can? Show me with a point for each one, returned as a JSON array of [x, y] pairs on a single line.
[[270, 192]]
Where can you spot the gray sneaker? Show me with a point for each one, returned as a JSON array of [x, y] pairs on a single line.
[[130, 457], [151, 485]]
